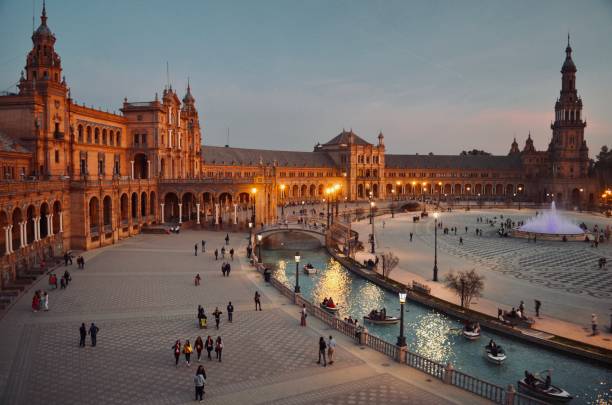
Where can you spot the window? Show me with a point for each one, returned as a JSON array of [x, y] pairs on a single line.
[[144, 139], [116, 167], [56, 156], [118, 138]]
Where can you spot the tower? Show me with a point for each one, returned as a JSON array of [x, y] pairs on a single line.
[[567, 150]]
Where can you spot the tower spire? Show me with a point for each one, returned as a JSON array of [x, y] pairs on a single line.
[[43, 17]]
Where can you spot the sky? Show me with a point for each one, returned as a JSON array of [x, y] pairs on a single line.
[[433, 76]]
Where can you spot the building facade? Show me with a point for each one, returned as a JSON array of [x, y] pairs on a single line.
[[75, 177]]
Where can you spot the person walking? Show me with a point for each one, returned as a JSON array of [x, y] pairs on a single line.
[[83, 333], [199, 380], [176, 350], [217, 315], [203, 246], [230, 311], [216, 254], [36, 302], [460, 240], [187, 350], [223, 252], [594, 324], [303, 315], [67, 277], [331, 349], [538, 305], [232, 253], [66, 257], [522, 308], [227, 239], [410, 236], [209, 346], [228, 268], [45, 301], [196, 249], [322, 348], [223, 268], [93, 334], [197, 279], [219, 348], [199, 346], [257, 300]]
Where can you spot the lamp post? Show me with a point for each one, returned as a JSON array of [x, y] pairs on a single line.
[[468, 188], [399, 189], [337, 188], [439, 193], [520, 189], [253, 217], [250, 234], [297, 273], [435, 269], [282, 187], [401, 339], [372, 204], [259, 238]]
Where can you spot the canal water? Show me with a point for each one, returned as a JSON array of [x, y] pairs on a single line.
[[428, 332]]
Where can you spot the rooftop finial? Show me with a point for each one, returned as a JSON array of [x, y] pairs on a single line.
[[43, 17], [568, 38]]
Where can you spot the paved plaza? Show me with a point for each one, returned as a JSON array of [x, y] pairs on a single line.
[[141, 295], [565, 277]]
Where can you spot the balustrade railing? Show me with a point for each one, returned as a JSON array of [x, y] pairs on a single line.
[[426, 365], [383, 346], [477, 386]]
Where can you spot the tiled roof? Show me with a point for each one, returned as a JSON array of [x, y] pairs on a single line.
[[343, 138], [8, 144], [221, 155], [476, 162]]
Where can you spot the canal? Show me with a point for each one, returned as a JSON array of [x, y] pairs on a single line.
[[428, 332]]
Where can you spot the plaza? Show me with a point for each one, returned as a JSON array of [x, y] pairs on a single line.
[[141, 295]]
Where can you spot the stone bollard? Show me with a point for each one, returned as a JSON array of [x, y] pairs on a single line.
[[363, 338], [403, 353], [448, 375], [297, 299], [510, 394]]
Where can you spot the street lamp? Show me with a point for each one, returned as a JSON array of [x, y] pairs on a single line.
[[250, 233], [401, 339], [439, 192], [328, 198], [468, 188], [435, 269], [297, 273], [520, 189], [259, 238], [282, 187], [337, 188], [372, 204], [253, 192], [399, 189]]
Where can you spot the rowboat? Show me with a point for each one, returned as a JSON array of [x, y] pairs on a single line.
[[550, 394], [389, 320], [329, 309], [497, 358], [310, 270]]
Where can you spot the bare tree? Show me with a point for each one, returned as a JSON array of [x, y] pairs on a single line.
[[389, 262], [466, 284]]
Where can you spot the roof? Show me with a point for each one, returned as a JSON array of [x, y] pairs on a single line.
[[475, 162], [221, 155], [343, 138], [8, 144]]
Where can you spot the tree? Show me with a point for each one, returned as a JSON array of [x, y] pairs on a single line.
[[466, 285], [474, 152], [389, 262]]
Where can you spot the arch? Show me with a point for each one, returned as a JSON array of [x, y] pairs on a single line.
[[312, 191], [468, 189], [360, 191], [88, 130], [320, 191], [499, 189], [304, 190], [225, 199], [118, 138], [171, 207], [134, 206], [162, 168], [111, 137], [17, 217], [575, 196], [30, 215], [44, 225], [97, 135], [3, 241], [152, 203], [104, 138], [457, 189], [509, 189], [295, 191], [124, 211], [57, 211], [478, 189], [80, 134], [448, 188], [488, 189], [140, 166], [375, 190], [107, 213], [189, 206], [143, 204], [94, 215], [389, 189]]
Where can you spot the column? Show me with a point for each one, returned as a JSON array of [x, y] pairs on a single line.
[[180, 213], [148, 169], [235, 214], [61, 222], [25, 233], [21, 236], [216, 213], [198, 212], [162, 213], [132, 163], [50, 224], [37, 228], [7, 238], [10, 239]]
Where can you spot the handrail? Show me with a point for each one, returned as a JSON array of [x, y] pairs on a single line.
[[477, 386]]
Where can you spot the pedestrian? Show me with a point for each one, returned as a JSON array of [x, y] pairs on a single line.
[[67, 277], [303, 315], [45, 301], [538, 304], [410, 236], [216, 254], [219, 348], [187, 350], [197, 279], [199, 381], [227, 239], [203, 246], [217, 315], [232, 253], [522, 308], [199, 346], [331, 349], [594, 324], [322, 348], [230, 311], [66, 256], [223, 268], [93, 334], [196, 249], [209, 345], [228, 268], [83, 333], [257, 300], [36, 302], [223, 252], [176, 349], [249, 252], [460, 240]]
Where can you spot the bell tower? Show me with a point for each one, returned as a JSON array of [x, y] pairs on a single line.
[[568, 150]]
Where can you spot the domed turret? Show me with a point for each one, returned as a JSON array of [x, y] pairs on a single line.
[[188, 99]]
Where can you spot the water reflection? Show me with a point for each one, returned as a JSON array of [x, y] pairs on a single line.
[[333, 282], [432, 337]]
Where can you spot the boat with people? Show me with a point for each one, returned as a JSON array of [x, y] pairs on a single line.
[[380, 317], [310, 269], [543, 389], [495, 353], [471, 330], [329, 305]]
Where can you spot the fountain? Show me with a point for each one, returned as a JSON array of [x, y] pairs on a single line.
[[550, 226]]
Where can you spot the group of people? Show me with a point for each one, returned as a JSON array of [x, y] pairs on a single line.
[[68, 260], [64, 280], [531, 380], [494, 348], [93, 334], [350, 321], [327, 348], [226, 268], [328, 302], [199, 346], [223, 251], [40, 301], [377, 315]]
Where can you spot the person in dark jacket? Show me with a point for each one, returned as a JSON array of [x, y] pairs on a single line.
[[176, 350], [217, 315], [199, 346], [83, 332], [209, 346], [93, 333], [230, 311], [322, 351]]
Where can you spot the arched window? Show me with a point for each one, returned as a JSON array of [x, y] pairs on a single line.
[[97, 136], [80, 133], [88, 134], [118, 138], [104, 139]]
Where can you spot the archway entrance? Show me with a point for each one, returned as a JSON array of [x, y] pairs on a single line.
[[140, 166], [171, 207]]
